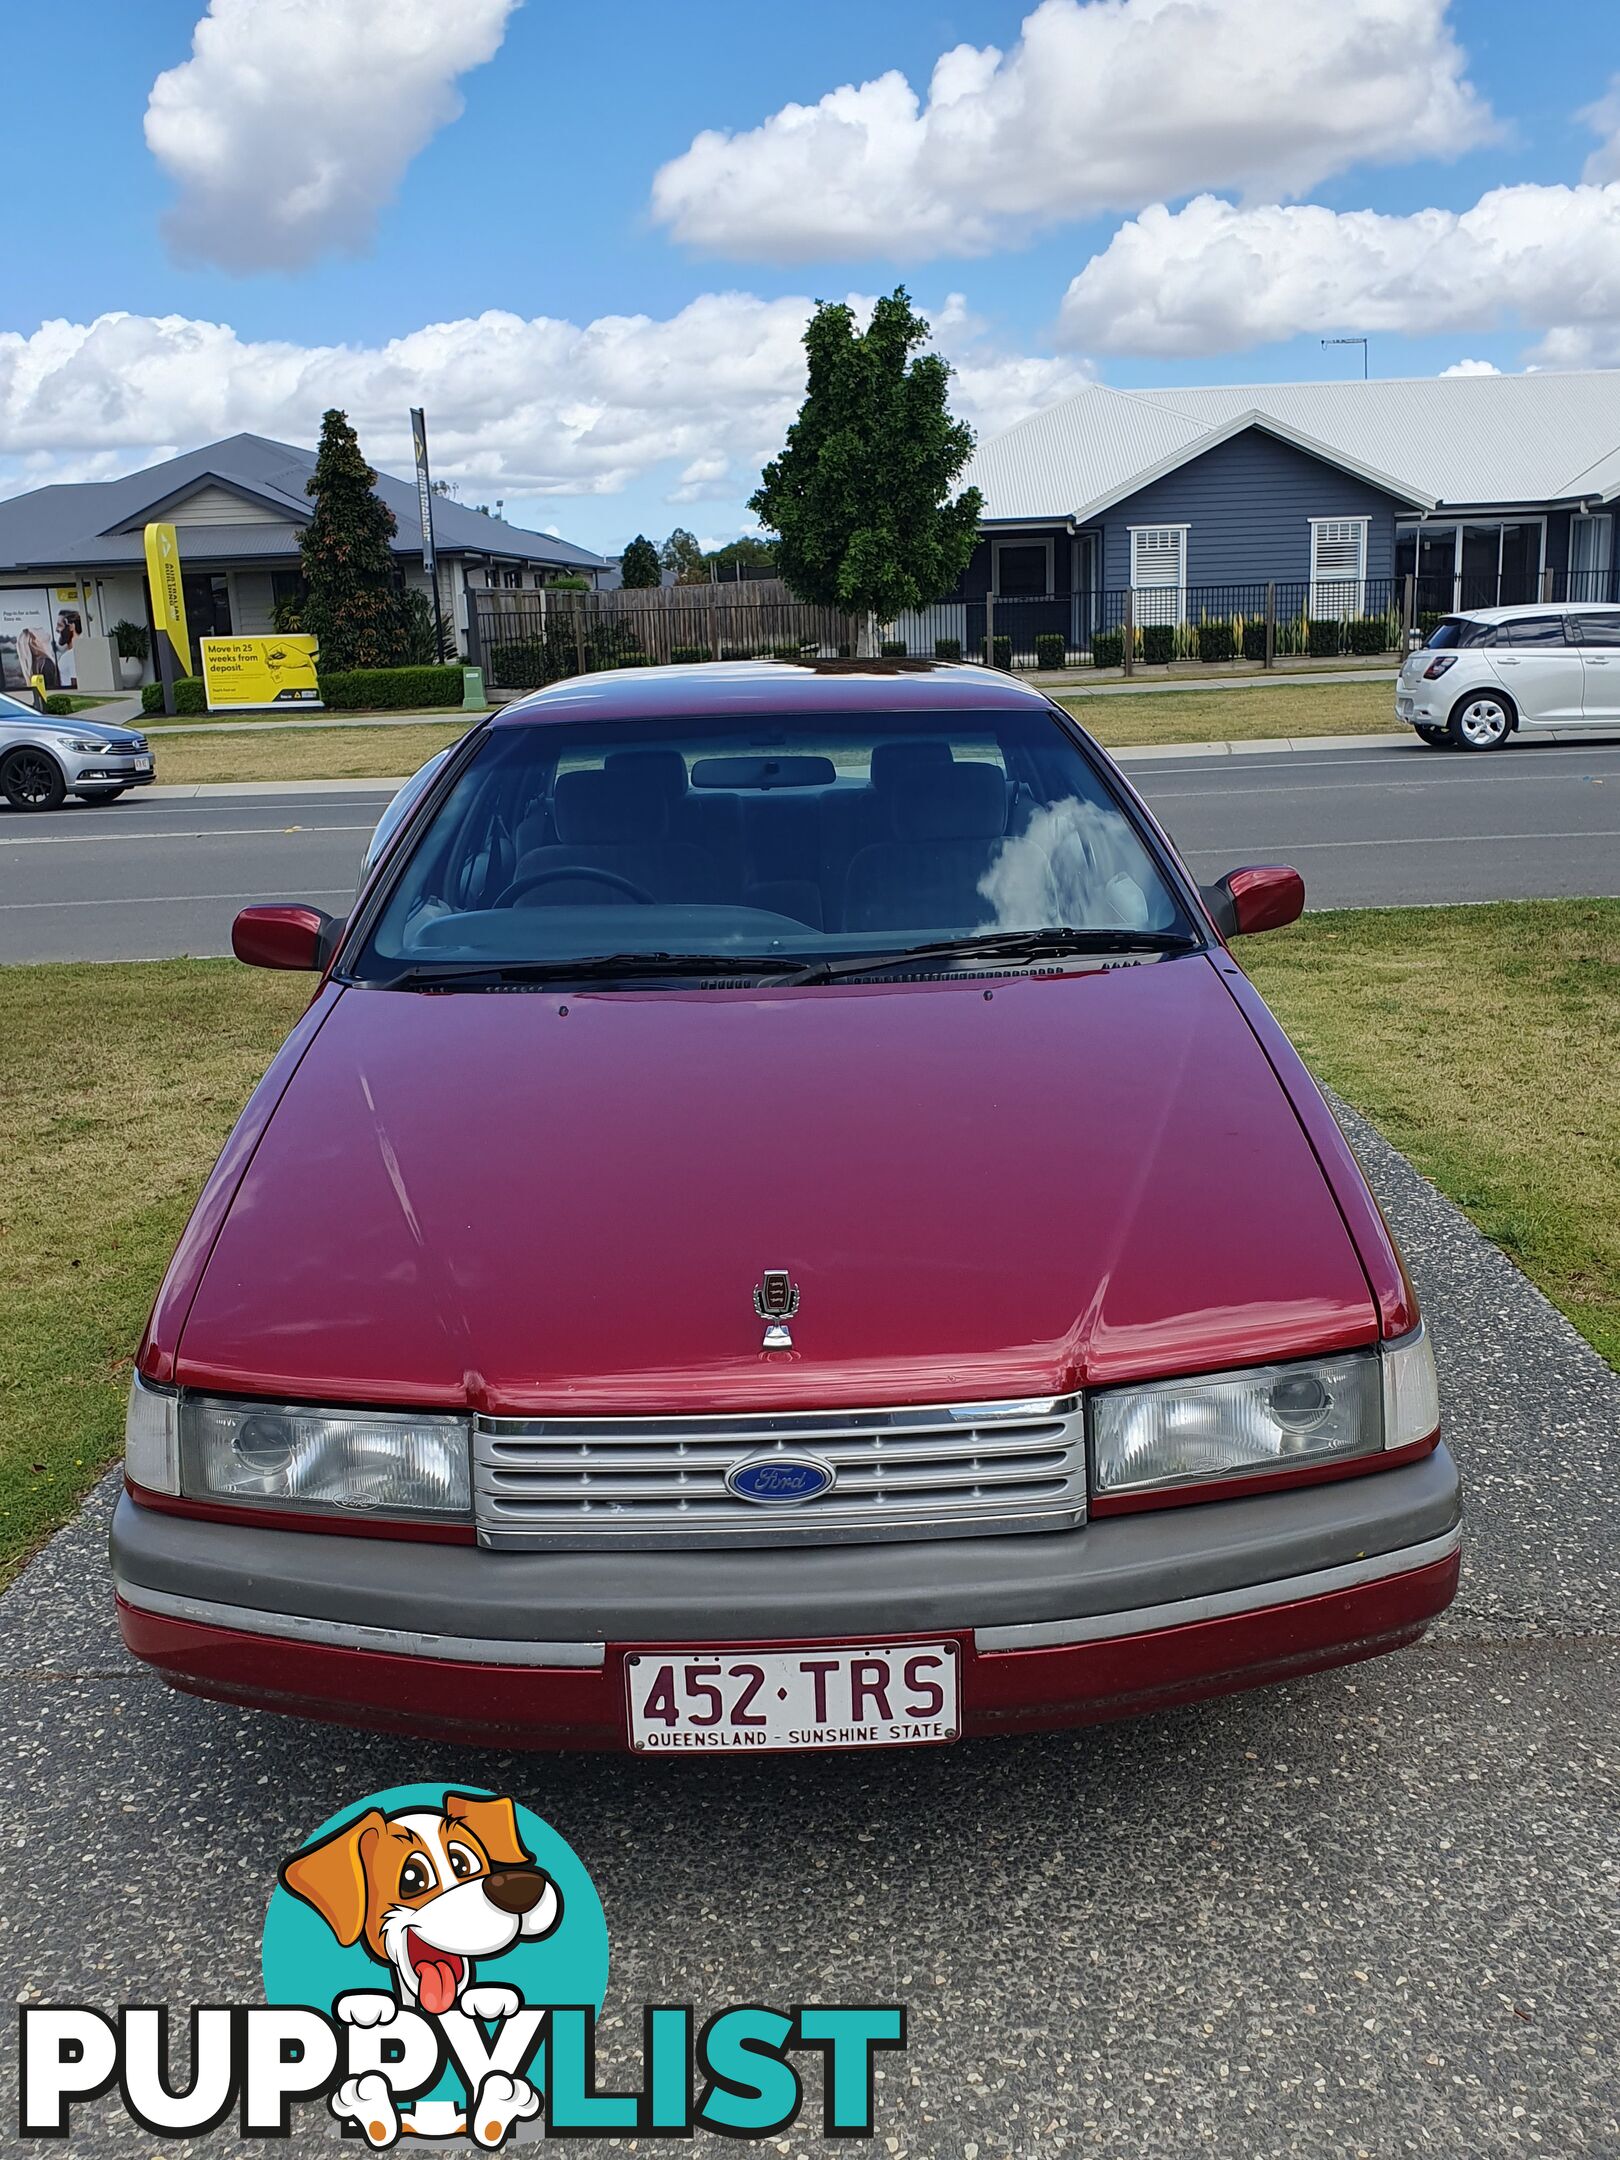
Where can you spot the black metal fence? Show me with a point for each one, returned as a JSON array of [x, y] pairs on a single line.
[[524, 640]]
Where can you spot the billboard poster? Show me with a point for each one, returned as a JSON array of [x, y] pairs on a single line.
[[424, 486], [245, 674], [37, 637]]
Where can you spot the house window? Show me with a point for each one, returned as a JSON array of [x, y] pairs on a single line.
[[1591, 557], [1159, 572], [1338, 566], [1488, 564], [1022, 569]]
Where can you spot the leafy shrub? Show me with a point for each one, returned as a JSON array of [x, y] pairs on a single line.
[[287, 615], [1051, 649], [59, 707], [1108, 648], [400, 689], [1370, 634], [684, 655], [892, 648], [1216, 641], [1158, 643], [133, 639], [1428, 621], [1254, 640], [736, 652], [786, 652], [947, 648], [1325, 634], [998, 652], [632, 659], [189, 696], [519, 663]]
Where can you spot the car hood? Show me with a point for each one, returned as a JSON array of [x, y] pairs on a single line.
[[529, 1202], [87, 724]]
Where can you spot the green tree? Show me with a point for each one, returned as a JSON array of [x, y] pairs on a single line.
[[352, 604], [682, 554], [861, 494], [638, 565]]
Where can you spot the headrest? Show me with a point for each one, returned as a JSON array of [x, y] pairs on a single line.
[[665, 769], [602, 808], [896, 764], [952, 802]]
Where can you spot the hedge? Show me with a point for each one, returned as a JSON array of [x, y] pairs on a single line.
[[1254, 640], [1326, 635], [354, 690], [998, 652], [1216, 641], [1368, 634], [684, 655], [1158, 643], [1051, 649], [58, 707], [893, 648], [1108, 648], [947, 648]]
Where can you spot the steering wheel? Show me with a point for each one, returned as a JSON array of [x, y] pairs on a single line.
[[553, 871]]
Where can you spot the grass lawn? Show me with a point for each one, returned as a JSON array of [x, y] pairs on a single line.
[[1481, 1040], [302, 753], [1297, 707]]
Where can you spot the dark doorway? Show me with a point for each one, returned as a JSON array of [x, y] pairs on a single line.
[[208, 603]]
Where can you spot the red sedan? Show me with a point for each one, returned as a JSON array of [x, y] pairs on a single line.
[[782, 1226]]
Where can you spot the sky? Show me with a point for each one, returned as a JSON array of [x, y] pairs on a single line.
[[585, 239]]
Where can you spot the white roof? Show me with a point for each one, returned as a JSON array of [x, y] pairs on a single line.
[[1475, 440]]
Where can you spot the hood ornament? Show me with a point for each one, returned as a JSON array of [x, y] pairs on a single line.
[[776, 1300]]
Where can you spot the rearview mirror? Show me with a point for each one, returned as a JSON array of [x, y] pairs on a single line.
[[1265, 896], [286, 935]]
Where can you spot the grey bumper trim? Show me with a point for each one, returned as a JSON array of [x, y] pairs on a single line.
[[346, 1635], [1223, 1604]]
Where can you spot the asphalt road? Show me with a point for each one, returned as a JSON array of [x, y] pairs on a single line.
[[1373, 1913], [147, 878]]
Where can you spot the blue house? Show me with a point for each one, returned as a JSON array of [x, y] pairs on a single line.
[[1483, 489]]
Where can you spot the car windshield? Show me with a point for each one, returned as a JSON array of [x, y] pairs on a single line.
[[749, 845], [1459, 630]]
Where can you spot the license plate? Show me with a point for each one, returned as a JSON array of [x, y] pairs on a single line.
[[877, 1695], [143, 764]]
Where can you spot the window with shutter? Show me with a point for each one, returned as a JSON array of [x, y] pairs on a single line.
[[1159, 572], [1338, 566]]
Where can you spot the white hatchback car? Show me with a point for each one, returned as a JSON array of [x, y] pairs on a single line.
[[1489, 671]]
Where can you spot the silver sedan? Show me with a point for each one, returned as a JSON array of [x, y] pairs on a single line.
[[44, 760]]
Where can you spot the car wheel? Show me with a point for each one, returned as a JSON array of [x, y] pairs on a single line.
[[1435, 737], [102, 795], [1482, 721], [32, 780]]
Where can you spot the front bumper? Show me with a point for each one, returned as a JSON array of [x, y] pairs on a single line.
[[527, 1649], [99, 776]]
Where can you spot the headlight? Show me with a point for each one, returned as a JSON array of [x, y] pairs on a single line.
[[91, 749], [395, 1462], [1274, 1417], [1269, 1419]]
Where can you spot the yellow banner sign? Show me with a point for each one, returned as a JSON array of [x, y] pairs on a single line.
[[241, 674], [168, 595]]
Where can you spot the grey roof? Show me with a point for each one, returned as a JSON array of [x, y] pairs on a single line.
[[1448, 440], [94, 522]]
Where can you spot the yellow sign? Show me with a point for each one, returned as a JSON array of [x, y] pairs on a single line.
[[241, 674], [168, 596]]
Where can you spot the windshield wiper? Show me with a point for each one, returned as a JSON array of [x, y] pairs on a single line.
[[1056, 943], [504, 974]]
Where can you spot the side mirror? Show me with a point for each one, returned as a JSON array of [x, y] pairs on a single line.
[[284, 936], [1266, 896]]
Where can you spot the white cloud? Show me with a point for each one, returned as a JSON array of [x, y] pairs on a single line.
[[1472, 367], [291, 125], [1213, 277], [1101, 104], [517, 408], [1604, 119]]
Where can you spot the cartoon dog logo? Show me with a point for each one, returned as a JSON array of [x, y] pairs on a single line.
[[426, 1892]]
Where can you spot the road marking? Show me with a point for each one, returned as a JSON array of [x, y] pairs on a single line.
[[214, 832], [1324, 787], [183, 899], [1298, 847], [1359, 760]]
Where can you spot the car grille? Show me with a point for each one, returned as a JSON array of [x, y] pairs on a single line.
[[961, 1470]]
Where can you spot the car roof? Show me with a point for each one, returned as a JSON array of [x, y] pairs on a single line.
[[711, 688], [1533, 607]]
